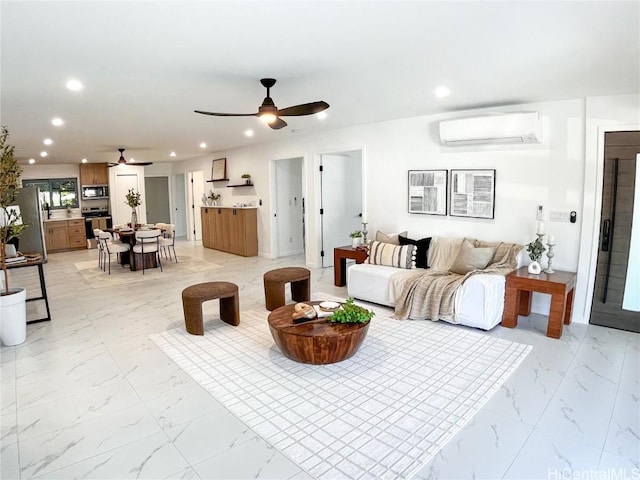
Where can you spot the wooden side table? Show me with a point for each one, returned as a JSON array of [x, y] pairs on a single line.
[[340, 255], [521, 284]]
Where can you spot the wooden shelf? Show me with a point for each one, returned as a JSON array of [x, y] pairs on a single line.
[[242, 185], [218, 180]]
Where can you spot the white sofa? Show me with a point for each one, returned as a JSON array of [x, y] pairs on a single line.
[[478, 302]]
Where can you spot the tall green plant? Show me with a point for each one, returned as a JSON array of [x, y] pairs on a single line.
[[10, 172]]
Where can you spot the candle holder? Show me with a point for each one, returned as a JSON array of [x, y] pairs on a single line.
[[549, 257], [364, 233]]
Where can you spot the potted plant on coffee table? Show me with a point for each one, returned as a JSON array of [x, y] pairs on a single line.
[[12, 300]]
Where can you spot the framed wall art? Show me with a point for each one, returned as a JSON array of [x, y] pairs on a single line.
[[473, 193], [428, 192], [219, 169]]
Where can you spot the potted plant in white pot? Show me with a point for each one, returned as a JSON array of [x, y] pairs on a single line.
[[13, 310], [356, 238]]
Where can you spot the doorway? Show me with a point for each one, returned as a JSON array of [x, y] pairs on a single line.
[[179, 205], [341, 200], [615, 295], [289, 221], [157, 203]]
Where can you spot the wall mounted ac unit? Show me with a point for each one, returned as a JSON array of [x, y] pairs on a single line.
[[524, 127]]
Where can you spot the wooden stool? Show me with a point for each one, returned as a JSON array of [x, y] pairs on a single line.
[[274, 281], [193, 296]]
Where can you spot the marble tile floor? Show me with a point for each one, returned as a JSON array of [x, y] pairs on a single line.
[[88, 395]]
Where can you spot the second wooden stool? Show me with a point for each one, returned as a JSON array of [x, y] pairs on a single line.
[[275, 280]]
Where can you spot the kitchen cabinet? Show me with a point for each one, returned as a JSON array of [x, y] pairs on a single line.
[[61, 235], [232, 230], [94, 174]]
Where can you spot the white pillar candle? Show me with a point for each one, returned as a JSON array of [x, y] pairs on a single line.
[[540, 228], [551, 240]]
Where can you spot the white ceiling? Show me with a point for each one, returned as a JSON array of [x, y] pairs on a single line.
[[147, 65]]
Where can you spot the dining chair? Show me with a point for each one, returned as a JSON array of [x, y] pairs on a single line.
[[147, 241], [168, 240], [96, 235], [109, 247]]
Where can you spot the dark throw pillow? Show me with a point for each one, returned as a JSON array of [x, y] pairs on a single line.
[[422, 249]]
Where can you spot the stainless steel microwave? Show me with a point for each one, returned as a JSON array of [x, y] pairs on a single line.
[[92, 192]]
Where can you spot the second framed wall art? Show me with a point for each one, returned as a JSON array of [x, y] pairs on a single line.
[[473, 193]]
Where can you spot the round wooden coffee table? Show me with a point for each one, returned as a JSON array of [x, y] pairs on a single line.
[[315, 341]]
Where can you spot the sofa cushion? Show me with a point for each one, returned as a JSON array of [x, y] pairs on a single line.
[[391, 238], [470, 258], [443, 251], [505, 254], [398, 256], [422, 249]]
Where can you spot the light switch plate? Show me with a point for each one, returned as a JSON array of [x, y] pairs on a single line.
[[557, 216]]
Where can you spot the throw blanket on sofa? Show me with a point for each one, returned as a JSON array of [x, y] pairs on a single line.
[[429, 295]]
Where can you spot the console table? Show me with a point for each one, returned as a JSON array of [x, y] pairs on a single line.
[[340, 255], [43, 286], [519, 287]]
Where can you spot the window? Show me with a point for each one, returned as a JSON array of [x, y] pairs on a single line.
[[59, 193]]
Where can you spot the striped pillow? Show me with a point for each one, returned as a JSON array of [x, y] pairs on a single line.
[[399, 256]]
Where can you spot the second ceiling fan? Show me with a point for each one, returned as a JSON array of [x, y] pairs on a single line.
[[270, 114], [122, 161]]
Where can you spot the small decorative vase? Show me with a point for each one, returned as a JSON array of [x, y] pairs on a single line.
[[355, 242], [534, 268], [134, 218]]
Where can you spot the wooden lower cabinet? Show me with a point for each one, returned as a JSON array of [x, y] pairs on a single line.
[[232, 230], [61, 235]]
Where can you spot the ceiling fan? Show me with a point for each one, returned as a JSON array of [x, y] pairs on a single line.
[[122, 161], [270, 114]]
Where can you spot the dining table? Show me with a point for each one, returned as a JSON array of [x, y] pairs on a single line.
[[135, 260]]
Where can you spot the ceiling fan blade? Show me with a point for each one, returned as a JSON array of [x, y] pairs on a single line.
[[140, 164], [303, 109], [278, 124], [215, 114]]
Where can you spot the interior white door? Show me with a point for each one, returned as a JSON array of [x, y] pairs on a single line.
[[341, 202], [122, 212], [194, 197]]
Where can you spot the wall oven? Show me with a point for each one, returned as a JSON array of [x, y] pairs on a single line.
[[93, 192]]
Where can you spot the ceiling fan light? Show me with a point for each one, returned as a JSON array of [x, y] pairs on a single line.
[[268, 118]]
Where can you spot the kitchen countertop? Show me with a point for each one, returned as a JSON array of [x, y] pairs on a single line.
[[60, 219]]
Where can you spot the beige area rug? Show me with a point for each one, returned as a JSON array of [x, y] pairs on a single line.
[[122, 275], [383, 413]]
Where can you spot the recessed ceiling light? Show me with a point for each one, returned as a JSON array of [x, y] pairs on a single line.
[[321, 115], [203, 145], [47, 141], [74, 85], [172, 154], [84, 160], [248, 133], [32, 161], [57, 121], [442, 92], [43, 154]]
